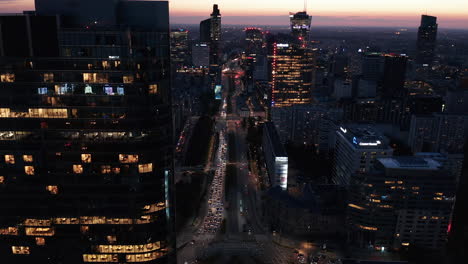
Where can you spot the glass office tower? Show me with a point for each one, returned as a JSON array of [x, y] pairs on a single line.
[[292, 75], [86, 134], [426, 42]]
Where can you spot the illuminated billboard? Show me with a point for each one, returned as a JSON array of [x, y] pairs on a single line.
[[218, 94], [281, 170]]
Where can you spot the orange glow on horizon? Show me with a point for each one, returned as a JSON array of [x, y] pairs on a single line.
[[451, 13]]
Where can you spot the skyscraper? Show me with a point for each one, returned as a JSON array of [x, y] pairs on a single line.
[[86, 134], [210, 33], [300, 25], [205, 31], [215, 33], [292, 75], [180, 53], [215, 47], [254, 41], [426, 42]]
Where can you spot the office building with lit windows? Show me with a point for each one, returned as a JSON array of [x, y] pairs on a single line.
[[180, 52], [357, 148], [401, 202], [86, 134], [292, 75]]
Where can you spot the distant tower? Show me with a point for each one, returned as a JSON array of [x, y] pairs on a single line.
[[215, 24], [215, 47], [205, 31], [427, 36], [300, 25]]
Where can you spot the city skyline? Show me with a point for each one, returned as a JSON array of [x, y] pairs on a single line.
[[395, 14], [222, 131]]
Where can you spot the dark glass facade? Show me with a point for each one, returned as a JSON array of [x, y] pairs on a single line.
[[86, 145], [426, 43]]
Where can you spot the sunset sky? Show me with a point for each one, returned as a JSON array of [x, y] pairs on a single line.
[[405, 13]]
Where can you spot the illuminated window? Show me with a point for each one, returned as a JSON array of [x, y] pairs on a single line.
[[128, 248], [5, 112], [20, 250], [153, 89], [100, 258], [88, 89], [143, 257], [64, 88], [2, 179], [37, 222], [356, 206], [95, 78], [53, 189], [120, 91], [86, 158], [48, 113], [105, 169], [78, 169], [7, 77], [128, 79], [90, 66], [116, 64], [40, 241], [116, 170], [39, 231], [371, 228], [144, 168], [84, 229], [48, 77], [105, 65], [29, 170], [42, 90], [108, 90], [111, 239], [9, 231], [28, 158], [125, 158], [9, 159]]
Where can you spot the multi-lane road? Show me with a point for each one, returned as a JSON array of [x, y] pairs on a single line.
[[245, 235]]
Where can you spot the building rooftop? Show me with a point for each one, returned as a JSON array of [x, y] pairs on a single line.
[[275, 140], [364, 136], [412, 162]]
